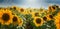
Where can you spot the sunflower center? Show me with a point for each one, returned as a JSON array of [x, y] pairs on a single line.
[[53, 7], [22, 10], [14, 8], [14, 19], [44, 18], [51, 16], [38, 20], [5, 17], [36, 14], [30, 10], [57, 6]]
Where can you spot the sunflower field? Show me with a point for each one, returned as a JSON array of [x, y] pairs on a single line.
[[30, 18]]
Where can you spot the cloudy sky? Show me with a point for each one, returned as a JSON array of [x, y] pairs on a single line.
[[28, 3]]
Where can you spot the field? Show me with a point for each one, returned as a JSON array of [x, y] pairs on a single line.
[[30, 18]]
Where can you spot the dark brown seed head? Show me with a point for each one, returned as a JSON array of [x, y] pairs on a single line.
[[14, 19], [14, 7], [53, 7], [5, 17], [22, 10], [51, 16], [44, 18], [38, 20]]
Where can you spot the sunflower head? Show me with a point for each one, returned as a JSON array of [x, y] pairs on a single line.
[[45, 18], [38, 21], [16, 20], [14, 7], [5, 17], [51, 16], [30, 10], [35, 14], [53, 7], [21, 10]]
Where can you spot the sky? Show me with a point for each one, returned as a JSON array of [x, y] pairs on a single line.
[[29, 3]]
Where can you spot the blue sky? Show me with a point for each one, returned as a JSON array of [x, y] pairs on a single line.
[[28, 3]]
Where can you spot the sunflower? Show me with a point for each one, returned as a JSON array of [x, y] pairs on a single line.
[[45, 18], [5, 17], [38, 21], [35, 14], [30, 11], [16, 20], [57, 20], [22, 10], [15, 8]]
